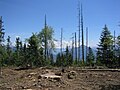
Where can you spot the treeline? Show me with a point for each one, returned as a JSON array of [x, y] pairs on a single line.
[[38, 50]]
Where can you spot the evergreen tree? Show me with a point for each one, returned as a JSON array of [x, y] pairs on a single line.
[[58, 60], [24, 55], [118, 51], [64, 59], [17, 44], [8, 46], [8, 60], [2, 50], [1, 31], [21, 46], [90, 57], [17, 52], [35, 52], [51, 60], [105, 48], [18, 55], [68, 57], [32, 49]]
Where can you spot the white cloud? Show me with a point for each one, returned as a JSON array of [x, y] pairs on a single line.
[[65, 43], [17, 36], [93, 43]]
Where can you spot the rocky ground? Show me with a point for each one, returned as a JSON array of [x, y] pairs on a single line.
[[67, 79]]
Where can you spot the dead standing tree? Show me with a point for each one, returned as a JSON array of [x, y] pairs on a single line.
[[61, 47], [45, 39], [82, 34], [86, 42], [79, 31], [72, 48], [75, 49]]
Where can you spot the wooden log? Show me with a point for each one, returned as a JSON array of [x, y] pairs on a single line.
[[52, 76]]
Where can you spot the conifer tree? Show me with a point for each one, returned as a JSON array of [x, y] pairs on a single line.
[[58, 60], [90, 57], [1, 31], [118, 51], [8, 46], [17, 44], [1, 44], [24, 53], [51, 60], [105, 48], [17, 52], [68, 57], [8, 60], [33, 50]]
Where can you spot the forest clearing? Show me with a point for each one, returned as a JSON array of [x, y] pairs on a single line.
[[59, 45], [72, 78]]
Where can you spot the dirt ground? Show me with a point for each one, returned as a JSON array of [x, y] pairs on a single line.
[[70, 79]]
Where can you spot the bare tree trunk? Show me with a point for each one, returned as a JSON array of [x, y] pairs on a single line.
[[45, 39], [72, 48], [86, 42], [75, 48], [82, 35], [79, 31], [61, 47], [61, 39]]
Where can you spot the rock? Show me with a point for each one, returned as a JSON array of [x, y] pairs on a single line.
[[32, 73], [39, 77], [29, 76], [57, 79], [109, 75], [63, 70], [72, 75], [29, 89], [35, 84], [58, 73], [33, 80]]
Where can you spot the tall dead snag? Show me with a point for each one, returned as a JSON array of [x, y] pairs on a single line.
[[79, 31], [75, 49], [86, 42], [45, 39], [82, 35], [61, 40], [114, 39], [72, 48], [114, 46], [61, 47]]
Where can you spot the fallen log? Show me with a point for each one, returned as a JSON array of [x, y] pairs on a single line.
[[111, 70], [52, 76]]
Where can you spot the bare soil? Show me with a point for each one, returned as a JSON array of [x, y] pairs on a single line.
[[70, 79]]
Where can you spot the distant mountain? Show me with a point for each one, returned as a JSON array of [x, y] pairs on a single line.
[[13, 48], [57, 50]]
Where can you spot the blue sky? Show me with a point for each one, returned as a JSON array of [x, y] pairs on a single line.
[[22, 17]]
